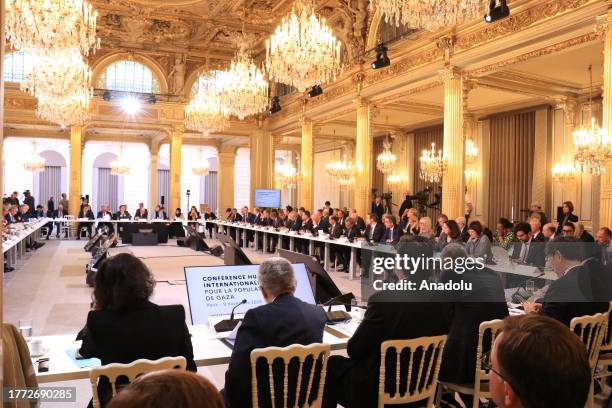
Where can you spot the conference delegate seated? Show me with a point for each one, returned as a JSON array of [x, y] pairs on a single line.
[[392, 231], [375, 230], [486, 301], [141, 212], [449, 234], [276, 222], [335, 232], [124, 325], [351, 232], [106, 215], [604, 246], [305, 226], [123, 213], [209, 215], [159, 213], [88, 226], [59, 213], [391, 315], [526, 250], [584, 286], [537, 362], [284, 320], [168, 388], [194, 215], [479, 245]]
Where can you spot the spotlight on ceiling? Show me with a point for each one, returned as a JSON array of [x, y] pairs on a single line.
[[498, 10], [382, 59], [130, 104], [151, 99], [107, 96], [315, 91], [275, 106]]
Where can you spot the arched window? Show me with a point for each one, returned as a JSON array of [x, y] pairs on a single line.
[[14, 66], [128, 76]]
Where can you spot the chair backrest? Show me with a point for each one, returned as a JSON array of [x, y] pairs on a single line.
[[423, 367], [317, 353], [487, 333], [606, 343], [591, 330], [131, 371]]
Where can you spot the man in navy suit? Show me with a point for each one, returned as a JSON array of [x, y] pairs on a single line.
[[392, 231], [284, 320], [526, 249]]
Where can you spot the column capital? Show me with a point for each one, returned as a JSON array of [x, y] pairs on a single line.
[[361, 102], [303, 120], [178, 129], [450, 73]]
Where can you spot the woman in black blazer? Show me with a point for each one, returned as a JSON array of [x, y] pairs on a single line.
[[125, 326], [568, 216]]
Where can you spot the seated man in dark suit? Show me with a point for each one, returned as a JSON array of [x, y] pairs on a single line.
[[392, 231], [106, 215], [583, 287], [141, 212], [60, 213], [486, 301], [335, 232], [375, 229], [526, 250], [123, 213], [159, 214], [85, 213], [351, 232], [305, 226], [391, 315], [284, 320], [124, 325]]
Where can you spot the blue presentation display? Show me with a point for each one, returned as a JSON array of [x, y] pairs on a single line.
[[215, 290], [267, 198]]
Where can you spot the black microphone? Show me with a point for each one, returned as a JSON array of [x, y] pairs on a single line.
[[338, 316], [231, 323]]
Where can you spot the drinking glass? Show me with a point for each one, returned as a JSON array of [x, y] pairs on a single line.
[[530, 286], [25, 327]]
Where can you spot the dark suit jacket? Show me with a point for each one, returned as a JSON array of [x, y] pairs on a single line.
[[161, 215], [393, 236], [465, 235], [352, 233], [89, 215], [101, 214], [383, 321], [318, 229], [378, 233], [285, 321], [125, 216], [578, 293], [137, 213], [486, 301], [586, 237], [31, 204], [147, 331], [10, 219], [306, 226], [536, 256], [295, 225], [335, 231], [360, 223], [538, 238]]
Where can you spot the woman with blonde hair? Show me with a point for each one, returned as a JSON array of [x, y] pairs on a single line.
[[426, 228]]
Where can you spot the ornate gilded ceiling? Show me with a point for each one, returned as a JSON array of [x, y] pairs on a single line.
[[211, 29]]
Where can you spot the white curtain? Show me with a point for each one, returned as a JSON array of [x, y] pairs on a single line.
[[49, 184], [108, 188], [208, 190], [163, 189]]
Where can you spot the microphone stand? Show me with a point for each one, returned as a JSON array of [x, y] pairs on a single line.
[[231, 323]]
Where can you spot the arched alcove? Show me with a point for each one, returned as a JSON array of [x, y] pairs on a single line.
[[53, 181], [107, 187], [102, 65]]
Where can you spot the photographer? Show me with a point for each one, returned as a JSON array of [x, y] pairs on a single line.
[[377, 207]]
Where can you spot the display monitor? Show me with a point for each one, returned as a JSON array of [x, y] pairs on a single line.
[[267, 198], [215, 290]]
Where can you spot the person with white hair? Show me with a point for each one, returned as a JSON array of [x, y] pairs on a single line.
[[282, 321]]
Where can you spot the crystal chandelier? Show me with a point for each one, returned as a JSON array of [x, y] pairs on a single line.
[[563, 172], [287, 175], [203, 166], [55, 74], [471, 151], [35, 163], [206, 112], [244, 89], [341, 171], [66, 110], [592, 144], [47, 25], [430, 14], [120, 166], [385, 162], [395, 179], [432, 165], [303, 50]]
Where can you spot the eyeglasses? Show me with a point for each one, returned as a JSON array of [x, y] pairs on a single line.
[[487, 365], [568, 231]]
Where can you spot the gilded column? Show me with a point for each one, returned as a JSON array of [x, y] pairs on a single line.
[[262, 162], [469, 133], [227, 163], [453, 183], [306, 163], [176, 145], [363, 159], [563, 140], [605, 209], [76, 167], [154, 198]]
